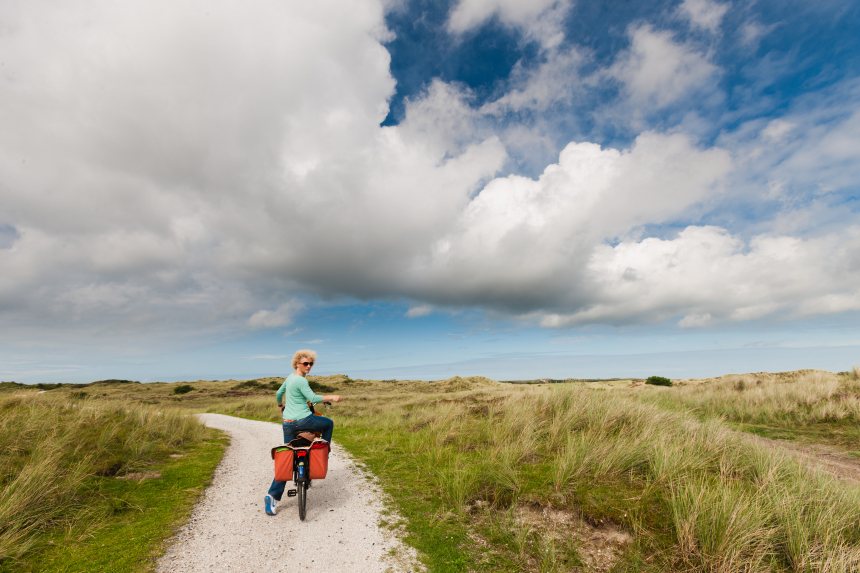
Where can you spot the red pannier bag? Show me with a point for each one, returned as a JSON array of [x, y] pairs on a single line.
[[283, 456], [319, 451]]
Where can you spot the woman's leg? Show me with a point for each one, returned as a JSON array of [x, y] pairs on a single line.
[[290, 431], [276, 490], [317, 424]]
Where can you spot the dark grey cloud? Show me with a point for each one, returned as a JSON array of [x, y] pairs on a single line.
[[8, 236]]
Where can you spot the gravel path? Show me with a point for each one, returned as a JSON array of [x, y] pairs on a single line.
[[229, 531]]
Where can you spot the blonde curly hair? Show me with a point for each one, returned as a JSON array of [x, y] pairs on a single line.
[[306, 354]]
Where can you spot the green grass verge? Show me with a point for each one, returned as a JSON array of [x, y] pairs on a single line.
[[452, 533], [486, 479], [840, 434], [134, 518], [440, 541]]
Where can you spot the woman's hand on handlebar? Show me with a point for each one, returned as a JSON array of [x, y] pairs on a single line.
[[331, 398]]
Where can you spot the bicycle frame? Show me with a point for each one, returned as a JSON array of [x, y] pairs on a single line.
[[301, 479], [301, 460]]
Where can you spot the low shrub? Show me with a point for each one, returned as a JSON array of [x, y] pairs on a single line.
[[319, 387], [49, 386], [183, 389], [658, 381]]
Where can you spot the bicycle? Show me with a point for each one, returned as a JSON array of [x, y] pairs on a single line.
[[302, 447]]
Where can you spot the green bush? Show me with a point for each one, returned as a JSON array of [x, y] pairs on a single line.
[[658, 381], [53, 386], [183, 389], [113, 381], [319, 387]]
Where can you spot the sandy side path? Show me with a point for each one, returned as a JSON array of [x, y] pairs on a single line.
[[827, 458], [229, 531]]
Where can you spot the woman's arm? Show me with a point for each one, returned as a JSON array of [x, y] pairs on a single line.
[[280, 394], [308, 394]]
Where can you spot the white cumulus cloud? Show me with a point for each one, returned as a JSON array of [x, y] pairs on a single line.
[[539, 19], [281, 316], [657, 70], [551, 82], [524, 242], [705, 14], [706, 274], [419, 311]]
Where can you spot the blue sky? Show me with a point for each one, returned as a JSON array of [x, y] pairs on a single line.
[[427, 189]]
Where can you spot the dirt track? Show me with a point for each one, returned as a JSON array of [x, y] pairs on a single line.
[[229, 531], [824, 457]]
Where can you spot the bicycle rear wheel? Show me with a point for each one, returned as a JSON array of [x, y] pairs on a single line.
[[302, 494]]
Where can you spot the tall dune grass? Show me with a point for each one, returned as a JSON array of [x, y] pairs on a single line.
[[804, 398], [50, 448], [734, 506], [699, 496], [662, 464]]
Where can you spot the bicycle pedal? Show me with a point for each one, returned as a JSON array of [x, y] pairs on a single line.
[[291, 493]]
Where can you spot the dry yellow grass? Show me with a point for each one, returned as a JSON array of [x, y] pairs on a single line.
[[50, 444]]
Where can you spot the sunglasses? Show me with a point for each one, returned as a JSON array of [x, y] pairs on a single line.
[[306, 363]]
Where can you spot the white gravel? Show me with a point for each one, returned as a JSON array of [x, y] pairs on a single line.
[[229, 531]]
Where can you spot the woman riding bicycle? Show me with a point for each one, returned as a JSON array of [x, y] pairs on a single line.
[[297, 415]]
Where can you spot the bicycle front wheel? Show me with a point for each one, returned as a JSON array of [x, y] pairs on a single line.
[[302, 495]]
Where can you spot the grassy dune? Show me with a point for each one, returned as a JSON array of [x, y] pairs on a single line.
[[695, 495], [61, 457], [524, 477], [808, 405], [599, 476]]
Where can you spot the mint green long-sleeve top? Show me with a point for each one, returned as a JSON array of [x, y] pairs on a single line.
[[296, 393]]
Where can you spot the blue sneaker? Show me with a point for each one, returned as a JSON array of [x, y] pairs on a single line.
[[271, 504]]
